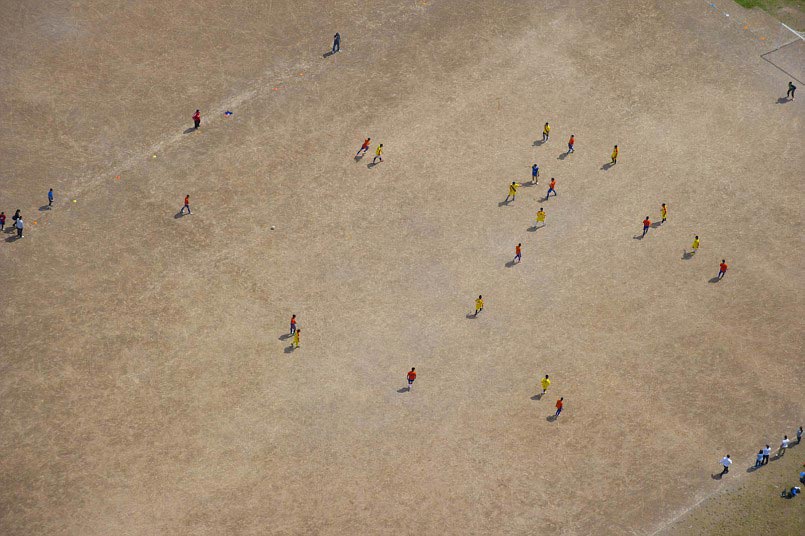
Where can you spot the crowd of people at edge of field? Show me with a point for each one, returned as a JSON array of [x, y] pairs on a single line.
[[762, 458]]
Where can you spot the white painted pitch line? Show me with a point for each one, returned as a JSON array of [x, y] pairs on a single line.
[[790, 29]]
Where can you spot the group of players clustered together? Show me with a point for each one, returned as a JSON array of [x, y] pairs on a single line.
[[295, 332]]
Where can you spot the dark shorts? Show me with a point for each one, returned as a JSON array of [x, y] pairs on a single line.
[[410, 382]]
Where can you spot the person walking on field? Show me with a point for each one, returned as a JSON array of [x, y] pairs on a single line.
[[411, 377], [783, 446], [378, 154], [766, 454], [479, 305], [293, 324], [2, 221], [799, 435], [571, 142], [186, 205], [15, 216], [695, 246], [664, 213], [518, 253], [535, 174], [50, 197], [540, 218], [512, 191], [19, 225], [197, 119], [546, 132], [791, 89], [725, 462], [336, 42], [646, 225], [722, 269], [296, 337], [364, 147], [615, 155], [545, 383], [551, 188], [759, 458], [559, 405]]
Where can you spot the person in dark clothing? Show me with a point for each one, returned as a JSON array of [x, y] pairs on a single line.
[[336, 42]]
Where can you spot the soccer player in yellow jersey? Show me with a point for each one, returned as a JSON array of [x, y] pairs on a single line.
[[664, 213], [695, 246], [296, 338], [512, 191], [546, 132], [479, 305], [615, 155], [545, 383], [378, 153], [540, 218]]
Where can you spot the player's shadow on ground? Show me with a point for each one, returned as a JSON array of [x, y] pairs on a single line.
[[504, 203], [189, 130], [782, 100], [358, 157], [44, 208], [532, 229], [714, 280], [510, 264], [403, 390], [753, 468], [370, 165], [285, 337], [289, 349], [550, 418], [656, 224], [717, 476], [327, 54], [562, 156], [638, 237], [687, 255], [12, 238], [606, 166], [179, 215], [537, 396], [537, 143], [472, 316]]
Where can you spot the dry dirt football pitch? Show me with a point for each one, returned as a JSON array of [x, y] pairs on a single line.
[[147, 386]]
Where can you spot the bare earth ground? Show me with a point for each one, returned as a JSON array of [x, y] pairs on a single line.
[[146, 386]]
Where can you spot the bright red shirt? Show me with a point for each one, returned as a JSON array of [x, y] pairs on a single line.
[[559, 404], [517, 249], [572, 140], [553, 183], [723, 266], [412, 375], [187, 200], [646, 222], [365, 144], [196, 116]]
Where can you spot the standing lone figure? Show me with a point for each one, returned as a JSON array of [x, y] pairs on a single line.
[[411, 377], [694, 247], [336, 42], [725, 462], [559, 405], [378, 153], [512, 191], [535, 174], [186, 205], [197, 119], [570, 143], [791, 90], [50, 197], [19, 224], [766, 454], [293, 324], [545, 383], [479, 305], [646, 225], [722, 269], [663, 213], [783, 446], [551, 188], [364, 147], [615, 155], [518, 253], [546, 132], [2, 221]]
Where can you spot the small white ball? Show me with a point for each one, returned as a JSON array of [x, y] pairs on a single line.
[[272, 227]]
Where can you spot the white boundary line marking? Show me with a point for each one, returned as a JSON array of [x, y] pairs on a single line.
[[790, 29]]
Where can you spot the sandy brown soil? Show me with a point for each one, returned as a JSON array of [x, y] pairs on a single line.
[[147, 386]]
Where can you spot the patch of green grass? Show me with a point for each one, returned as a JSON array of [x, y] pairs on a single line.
[[789, 11]]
